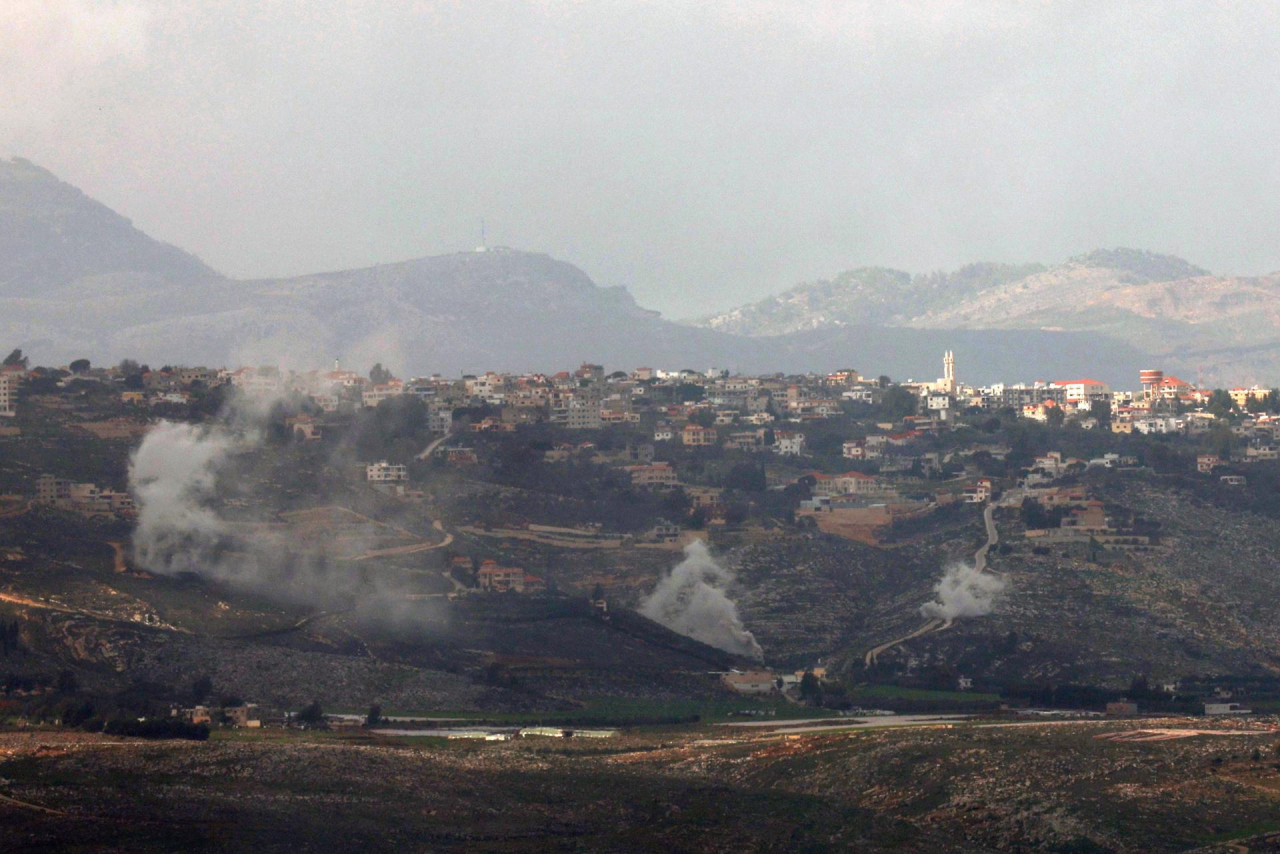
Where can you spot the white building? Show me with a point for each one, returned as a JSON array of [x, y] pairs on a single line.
[[789, 444], [1085, 389], [385, 472], [1225, 709], [751, 682], [1164, 424], [440, 419], [849, 483], [947, 383], [8, 395]]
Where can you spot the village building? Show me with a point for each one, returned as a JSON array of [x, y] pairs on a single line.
[[655, 475], [849, 483], [1084, 390], [787, 443], [1206, 463], [1216, 709], [695, 436], [750, 682], [87, 499], [385, 472], [374, 395], [979, 493], [9, 393], [493, 578], [664, 532]]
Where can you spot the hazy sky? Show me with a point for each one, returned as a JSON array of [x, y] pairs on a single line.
[[700, 153]]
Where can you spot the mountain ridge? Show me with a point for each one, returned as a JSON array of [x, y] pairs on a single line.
[[52, 234], [80, 280], [1220, 327]]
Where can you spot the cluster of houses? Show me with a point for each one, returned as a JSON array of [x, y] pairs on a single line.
[[698, 410], [766, 681], [86, 499], [701, 409]]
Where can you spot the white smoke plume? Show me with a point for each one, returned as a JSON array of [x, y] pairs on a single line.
[[692, 601], [173, 477], [964, 592], [178, 476]]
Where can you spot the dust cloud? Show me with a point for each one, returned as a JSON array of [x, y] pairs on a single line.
[[964, 592], [692, 600]]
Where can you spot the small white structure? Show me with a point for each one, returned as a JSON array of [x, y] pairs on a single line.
[[789, 444], [1211, 709], [751, 682], [385, 472]]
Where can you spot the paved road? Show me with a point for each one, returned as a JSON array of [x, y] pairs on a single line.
[[936, 624], [979, 562], [426, 452]]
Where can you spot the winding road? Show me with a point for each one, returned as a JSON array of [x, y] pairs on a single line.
[[937, 624]]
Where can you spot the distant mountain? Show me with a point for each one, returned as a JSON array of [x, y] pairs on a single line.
[[79, 280], [1221, 328], [52, 234], [862, 297]]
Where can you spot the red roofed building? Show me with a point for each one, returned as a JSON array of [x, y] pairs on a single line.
[[501, 579]]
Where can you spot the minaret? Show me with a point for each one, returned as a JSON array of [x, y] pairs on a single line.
[[949, 371]]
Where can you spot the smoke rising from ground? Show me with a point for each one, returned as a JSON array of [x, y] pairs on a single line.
[[692, 601], [180, 477], [173, 477], [964, 592]]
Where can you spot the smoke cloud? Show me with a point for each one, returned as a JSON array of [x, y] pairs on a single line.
[[964, 592], [173, 477], [181, 477], [692, 601]]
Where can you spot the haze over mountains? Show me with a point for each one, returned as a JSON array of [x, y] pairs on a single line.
[[76, 279], [1223, 328]]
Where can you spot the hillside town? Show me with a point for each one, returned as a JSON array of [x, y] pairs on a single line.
[[854, 456], [693, 408], [868, 449]]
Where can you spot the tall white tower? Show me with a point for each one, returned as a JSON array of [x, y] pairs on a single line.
[[949, 371]]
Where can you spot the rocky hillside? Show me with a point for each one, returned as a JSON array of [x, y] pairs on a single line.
[[862, 297], [1221, 328]]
